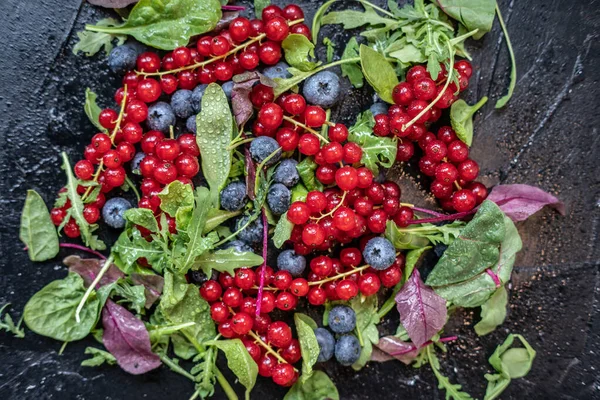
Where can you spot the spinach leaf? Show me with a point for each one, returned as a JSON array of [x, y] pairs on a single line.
[[317, 20], [174, 196], [7, 324], [37, 231], [51, 311], [259, 6], [415, 237], [493, 312], [473, 14], [99, 357], [239, 361], [378, 72], [306, 169], [142, 217], [127, 339], [283, 231], [92, 110], [352, 70], [226, 261], [90, 43], [153, 286], [317, 387], [520, 201], [375, 149], [461, 117], [167, 24], [214, 133], [366, 327], [308, 343], [298, 51]]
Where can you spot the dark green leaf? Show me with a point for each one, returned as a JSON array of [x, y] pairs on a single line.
[[99, 357], [375, 149], [214, 133], [352, 70], [7, 324], [133, 294], [473, 14], [298, 51], [306, 169], [90, 43], [51, 311], [167, 24], [259, 5], [142, 217], [378, 72], [217, 217], [317, 387], [37, 231], [461, 117], [366, 327], [182, 347], [174, 196], [239, 362], [493, 312], [92, 110], [283, 231], [308, 343], [330, 49], [353, 19], [412, 257], [226, 261]]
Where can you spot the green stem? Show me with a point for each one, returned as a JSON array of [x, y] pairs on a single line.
[[475, 107], [167, 330], [176, 367], [89, 290], [381, 10], [132, 186], [360, 338], [237, 143], [261, 166], [62, 348], [462, 38], [229, 392], [513, 69]]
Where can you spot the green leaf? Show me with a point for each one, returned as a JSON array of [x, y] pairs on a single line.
[[317, 20], [306, 169], [167, 24], [259, 6], [415, 237], [7, 324], [99, 357], [142, 217], [214, 127], [461, 117], [283, 85], [298, 51], [412, 257], [353, 19], [408, 54], [366, 327], [129, 247], [317, 387], [513, 63], [239, 362], [352, 70], [299, 193], [473, 14], [92, 110], [135, 295], [174, 196], [493, 312], [378, 72], [452, 390], [330, 49], [308, 343], [226, 261], [37, 231], [90, 43], [375, 149], [182, 347], [51, 311], [283, 231], [217, 217]]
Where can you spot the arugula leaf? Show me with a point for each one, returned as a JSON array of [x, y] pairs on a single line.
[[226, 261], [375, 149], [167, 24], [239, 362], [317, 387], [7, 324], [452, 390], [308, 343], [366, 327], [99, 357], [461, 117], [416, 237], [283, 231], [90, 43], [473, 14], [354, 19], [493, 312], [330, 49], [92, 110], [259, 6], [133, 294], [378, 72], [214, 127], [131, 246], [174, 196], [298, 51], [317, 20], [142, 217], [37, 231], [352, 71], [51, 311], [306, 169], [205, 372]]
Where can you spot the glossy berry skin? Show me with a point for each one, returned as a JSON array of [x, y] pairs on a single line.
[[364, 177], [115, 177], [436, 150], [219, 312], [441, 190], [219, 45], [458, 151], [352, 153], [269, 52], [279, 334], [298, 213], [164, 173], [390, 277], [376, 193], [377, 220], [111, 159], [479, 190], [148, 62], [406, 150], [346, 289], [308, 144], [294, 104], [282, 280], [382, 125], [232, 297], [402, 94], [417, 72], [271, 116], [424, 89], [286, 301], [314, 116], [316, 296], [91, 213], [369, 284], [397, 123], [427, 166], [299, 287], [464, 200], [244, 278], [137, 111], [292, 12], [326, 174], [446, 134], [58, 215], [277, 29], [187, 166], [346, 178], [266, 365], [321, 265], [271, 11], [316, 201], [313, 235], [468, 170], [350, 257], [403, 216], [148, 90], [338, 133], [283, 374], [84, 170], [240, 29], [71, 229], [415, 108], [241, 323], [211, 291], [126, 151], [446, 173], [343, 219], [187, 144], [292, 353], [464, 68]]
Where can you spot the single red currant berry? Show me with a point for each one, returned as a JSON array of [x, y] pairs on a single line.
[[219, 45], [148, 62], [249, 60], [343, 218], [352, 153], [479, 190], [316, 201], [257, 27], [434, 114], [446, 134], [405, 151], [294, 104], [464, 68], [346, 178], [99, 202], [240, 29], [298, 213], [286, 301], [270, 115], [150, 140], [309, 144], [436, 150], [253, 349], [219, 312], [164, 173], [148, 90], [241, 323], [283, 374], [248, 305], [84, 170], [376, 193], [167, 149], [424, 89], [279, 334], [447, 98], [332, 153], [71, 229], [91, 213], [468, 170], [403, 216], [223, 71], [287, 138], [365, 177], [369, 284], [57, 215], [376, 221], [187, 144], [126, 151], [211, 291], [187, 166], [338, 133], [111, 159], [148, 165], [261, 323], [232, 297], [350, 257], [397, 124], [277, 29], [314, 116], [225, 330], [326, 174], [282, 280], [427, 166], [292, 12], [390, 277], [244, 278], [269, 52], [446, 173], [188, 79], [392, 189], [321, 265], [382, 125], [458, 151], [137, 111], [108, 118], [441, 190], [416, 107], [299, 287], [464, 200], [266, 365], [267, 303], [292, 353], [402, 94], [417, 72], [115, 177], [391, 205], [313, 235], [226, 280]]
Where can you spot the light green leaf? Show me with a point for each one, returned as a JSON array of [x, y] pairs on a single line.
[[7, 324], [298, 51], [259, 6], [461, 117], [142, 217], [239, 362], [299, 193], [99, 357], [353, 19], [317, 387], [317, 20], [366, 327], [379, 73], [90, 43], [376, 150], [283, 231], [306, 169], [352, 70], [330, 49], [226, 261], [129, 247], [217, 217], [174, 196], [473, 14], [37, 231], [493, 312], [308, 343], [408, 54], [412, 258], [92, 110]]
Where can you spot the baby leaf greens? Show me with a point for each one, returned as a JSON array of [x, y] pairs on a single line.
[[92, 110], [37, 230], [90, 42], [461, 117], [7, 324], [239, 361], [308, 343], [493, 312], [379, 73], [520, 201], [317, 387], [376, 150], [167, 24], [298, 49], [473, 14]]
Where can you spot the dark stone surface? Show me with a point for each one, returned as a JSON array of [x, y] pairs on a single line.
[[547, 136]]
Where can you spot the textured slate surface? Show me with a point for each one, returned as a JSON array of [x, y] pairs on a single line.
[[547, 136]]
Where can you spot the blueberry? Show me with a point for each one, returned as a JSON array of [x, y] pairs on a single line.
[[197, 95], [113, 210], [137, 159], [342, 319], [199, 277], [227, 88], [239, 246], [347, 350], [190, 124], [379, 108], [122, 59], [233, 197], [291, 262], [439, 249], [322, 89], [326, 344], [286, 173], [379, 253], [262, 147], [160, 117], [279, 198], [181, 103], [253, 233], [279, 70]]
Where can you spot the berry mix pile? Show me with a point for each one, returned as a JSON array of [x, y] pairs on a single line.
[[252, 205]]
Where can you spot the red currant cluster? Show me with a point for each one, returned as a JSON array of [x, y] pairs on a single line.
[[445, 158]]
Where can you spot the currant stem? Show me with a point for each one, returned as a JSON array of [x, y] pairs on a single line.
[[306, 128], [268, 348], [343, 274], [330, 213]]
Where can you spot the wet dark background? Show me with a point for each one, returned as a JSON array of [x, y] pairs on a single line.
[[546, 136]]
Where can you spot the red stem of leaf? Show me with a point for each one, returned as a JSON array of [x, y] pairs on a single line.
[[450, 217], [494, 277], [264, 265], [426, 211], [427, 343], [233, 8], [81, 248]]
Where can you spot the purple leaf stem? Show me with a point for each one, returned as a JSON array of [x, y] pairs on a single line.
[[450, 217], [426, 211], [78, 247], [427, 343], [264, 265], [494, 277], [233, 8]]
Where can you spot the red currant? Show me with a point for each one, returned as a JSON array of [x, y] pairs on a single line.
[[211, 291], [464, 200], [314, 116], [279, 334]]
